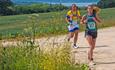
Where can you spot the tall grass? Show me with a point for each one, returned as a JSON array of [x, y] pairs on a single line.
[[30, 58], [26, 59]]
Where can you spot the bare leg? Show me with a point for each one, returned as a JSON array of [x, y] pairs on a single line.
[[94, 42], [76, 36], [70, 35], [91, 44]]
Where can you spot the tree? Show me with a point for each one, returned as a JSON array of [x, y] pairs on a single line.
[[6, 7], [106, 3]]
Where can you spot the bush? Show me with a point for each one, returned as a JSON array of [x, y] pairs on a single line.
[[106, 3], [6, 7]]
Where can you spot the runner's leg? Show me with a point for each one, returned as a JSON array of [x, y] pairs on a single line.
[[70, 35], [90, 52], [76, 36], [93, 43]]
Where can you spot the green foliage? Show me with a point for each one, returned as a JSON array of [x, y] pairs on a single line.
[[5, 3], [38, 8], [106, 3], [6, 7], [29, 58]]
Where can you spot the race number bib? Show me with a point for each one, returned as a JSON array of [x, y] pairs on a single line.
[[71, 27], [91, 25], [74, 25], [74, 22]]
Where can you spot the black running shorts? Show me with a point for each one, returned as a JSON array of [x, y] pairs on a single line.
[[91, 33]]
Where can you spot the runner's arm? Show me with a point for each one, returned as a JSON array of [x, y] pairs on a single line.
[[83, 20], [79, 15], [68, 19], [98, 18]]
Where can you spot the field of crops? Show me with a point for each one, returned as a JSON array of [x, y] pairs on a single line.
[[47, 24]]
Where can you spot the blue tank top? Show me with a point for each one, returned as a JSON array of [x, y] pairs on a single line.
[[91, 24]]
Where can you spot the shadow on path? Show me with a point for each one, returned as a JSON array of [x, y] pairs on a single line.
[[96, 46], [76, 51], [93, 67], [100, 63]]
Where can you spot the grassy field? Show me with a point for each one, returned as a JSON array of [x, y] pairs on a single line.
[[48, 24]]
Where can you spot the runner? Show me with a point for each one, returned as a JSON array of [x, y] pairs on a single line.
[[91, 19], [72, 19]]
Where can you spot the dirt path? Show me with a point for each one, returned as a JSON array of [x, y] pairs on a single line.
[[104, 54]]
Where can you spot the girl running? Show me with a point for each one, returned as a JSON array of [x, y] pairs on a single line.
[[72, 19], [91, 20]]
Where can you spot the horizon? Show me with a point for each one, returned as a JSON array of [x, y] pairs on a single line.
[[79, 3]]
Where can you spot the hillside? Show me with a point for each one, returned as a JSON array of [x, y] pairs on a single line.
[[54, 1]]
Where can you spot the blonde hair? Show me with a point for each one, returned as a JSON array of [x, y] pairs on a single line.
[[96, 10]]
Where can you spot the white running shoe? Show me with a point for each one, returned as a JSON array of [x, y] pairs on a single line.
[[75, 46], [91, 63]]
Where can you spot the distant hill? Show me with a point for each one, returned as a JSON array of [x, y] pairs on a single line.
[[53, 1]]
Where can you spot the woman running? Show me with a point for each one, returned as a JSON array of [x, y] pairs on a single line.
[[72, 19], [91, 20]]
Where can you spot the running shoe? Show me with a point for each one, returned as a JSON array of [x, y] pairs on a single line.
[[91, 63], [75, 46]]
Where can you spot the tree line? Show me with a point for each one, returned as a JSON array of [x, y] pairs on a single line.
[[8, 8], [106, 3]]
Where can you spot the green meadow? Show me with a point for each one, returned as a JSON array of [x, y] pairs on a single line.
[[47, 24]]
